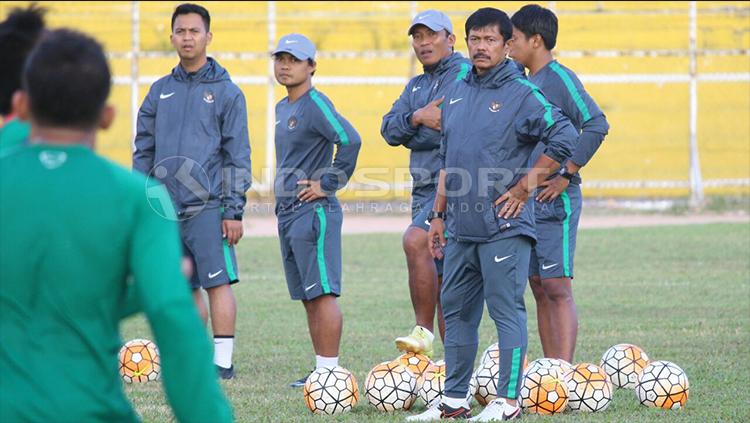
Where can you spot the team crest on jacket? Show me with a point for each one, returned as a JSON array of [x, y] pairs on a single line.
[[208, 96], [291, 123], [495, 106]]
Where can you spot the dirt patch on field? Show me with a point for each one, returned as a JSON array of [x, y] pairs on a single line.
[[264, 225]]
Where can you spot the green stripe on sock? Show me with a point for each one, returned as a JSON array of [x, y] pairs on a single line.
[[538, 95], [465, 67], [515, 366], [566, 234], [330, 117], [572, 90], [228, 262], [321, 249]]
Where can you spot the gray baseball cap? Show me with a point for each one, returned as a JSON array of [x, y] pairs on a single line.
[[433, 19], [297, 45]]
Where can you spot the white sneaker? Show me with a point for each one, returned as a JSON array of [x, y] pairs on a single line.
[[497, 410], [433, 412]]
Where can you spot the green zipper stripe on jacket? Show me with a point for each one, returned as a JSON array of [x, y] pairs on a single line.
[[464, 70], [228, 262], [572, 90], [330, 117], [321, 249], [515, 366], [566, 234], [540, 97]]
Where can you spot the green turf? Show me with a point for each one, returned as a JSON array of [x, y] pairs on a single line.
[[682, 293]]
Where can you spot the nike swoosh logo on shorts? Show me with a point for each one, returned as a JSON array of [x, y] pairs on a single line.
[[455, 100], [548, 267], [498, 260], [310, 287], [213, 275], [163, 96]]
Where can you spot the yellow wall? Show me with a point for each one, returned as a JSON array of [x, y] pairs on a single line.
[[649, 122]]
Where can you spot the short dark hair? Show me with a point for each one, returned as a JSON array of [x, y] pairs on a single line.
[[67, 79], [533, 19], [489, 16], [187, 8], [18, 35]]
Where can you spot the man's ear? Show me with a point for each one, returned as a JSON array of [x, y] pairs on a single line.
[[107, 117], [20, 105], [209, 37]]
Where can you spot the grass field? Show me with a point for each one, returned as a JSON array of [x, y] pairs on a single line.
[[682, 293]]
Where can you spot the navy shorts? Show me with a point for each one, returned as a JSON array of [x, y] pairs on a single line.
[[556, 231], [311, 251], [419, 211], [214, 261]]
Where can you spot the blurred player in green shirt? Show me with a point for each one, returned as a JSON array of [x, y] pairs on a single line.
[[75, 227], [18, 34]]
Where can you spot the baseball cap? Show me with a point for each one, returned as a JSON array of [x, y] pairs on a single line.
[[297, 45], [433, 19]]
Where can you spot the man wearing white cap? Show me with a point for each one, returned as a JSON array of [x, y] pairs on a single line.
[[308, 174], [414, 122]]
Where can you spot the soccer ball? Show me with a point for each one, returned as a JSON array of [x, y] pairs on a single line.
[[484, 382], [589, 388], [390, 386], [331, 390], [623, 364], [662, 384], [491, 353], [539, 363], [544, 391], [416, 363], [139, 361], [433, 382]]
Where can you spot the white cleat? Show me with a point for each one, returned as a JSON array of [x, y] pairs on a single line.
[[433, 412], [496, 411]]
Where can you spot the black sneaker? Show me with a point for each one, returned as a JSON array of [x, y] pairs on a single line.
[[225, 373], [300, 382], [449, 413]]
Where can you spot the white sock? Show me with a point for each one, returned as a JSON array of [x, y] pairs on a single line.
[[454, 402], [223, 347], [430, 335], [321, 361]]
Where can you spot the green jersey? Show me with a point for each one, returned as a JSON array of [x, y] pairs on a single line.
[[14, 132], [75, 229]]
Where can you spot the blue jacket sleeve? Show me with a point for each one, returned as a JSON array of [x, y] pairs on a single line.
[[235, 150], [145, 141], [581, 108], [396, 128], [337, 130], [542, 122]]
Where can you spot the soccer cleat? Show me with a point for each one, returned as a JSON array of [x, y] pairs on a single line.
[[225, 373], [498, 410], [419, 342], [300, 382], [439, 411]]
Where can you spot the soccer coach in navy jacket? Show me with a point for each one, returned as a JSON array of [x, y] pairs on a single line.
[[491, 122]]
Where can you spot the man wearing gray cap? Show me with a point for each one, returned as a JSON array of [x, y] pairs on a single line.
[[414, 122], [308, 174]]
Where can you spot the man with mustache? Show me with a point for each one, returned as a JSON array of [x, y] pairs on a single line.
[[559, 206], [492, 121], [192, 135], [414, 122]]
